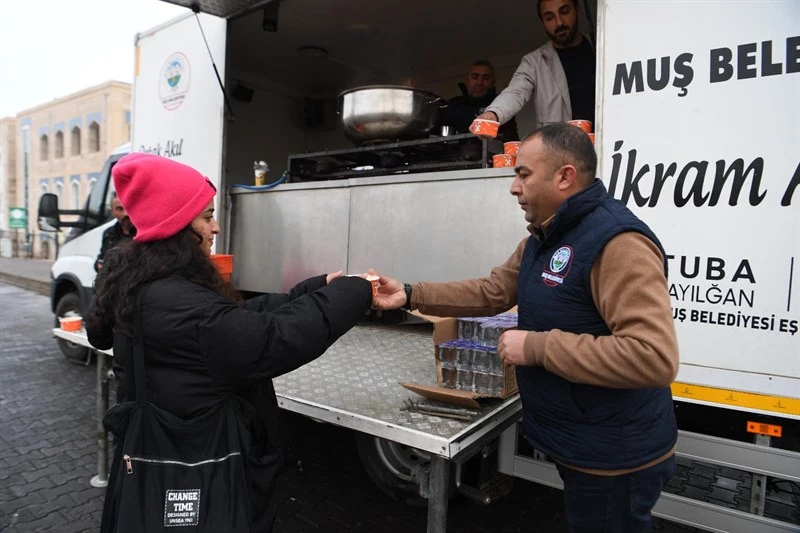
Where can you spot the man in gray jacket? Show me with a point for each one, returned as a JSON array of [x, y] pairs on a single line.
[[558, 77]]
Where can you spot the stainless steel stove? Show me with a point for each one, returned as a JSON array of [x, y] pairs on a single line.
[[454, 152]]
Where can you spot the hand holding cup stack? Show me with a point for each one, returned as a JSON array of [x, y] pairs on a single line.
[[484, 128]]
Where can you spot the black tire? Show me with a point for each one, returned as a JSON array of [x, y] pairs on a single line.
[[389, 465], [70, 305]]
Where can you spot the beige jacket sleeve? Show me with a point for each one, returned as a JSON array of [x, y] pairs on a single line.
[[475, 297], [631, 294]]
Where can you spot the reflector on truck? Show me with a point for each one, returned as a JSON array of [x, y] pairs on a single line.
[[764, 429]]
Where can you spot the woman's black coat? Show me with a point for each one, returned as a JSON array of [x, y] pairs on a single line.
[[201, 347]]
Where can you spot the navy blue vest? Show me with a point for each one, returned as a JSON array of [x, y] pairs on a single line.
[[584, 425]]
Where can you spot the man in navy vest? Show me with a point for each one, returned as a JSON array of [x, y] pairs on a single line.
[[596, 348]]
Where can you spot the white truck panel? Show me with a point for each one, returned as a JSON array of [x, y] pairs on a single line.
[[178, 106], [736, 256]]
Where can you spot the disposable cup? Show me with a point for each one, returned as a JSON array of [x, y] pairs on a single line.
[[585, 125], [71, 323], [487, 128], [511, 148], [224, 264], [375, 280], [503, 160]]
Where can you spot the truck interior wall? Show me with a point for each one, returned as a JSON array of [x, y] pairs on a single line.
[[271, 126], [360, 43]]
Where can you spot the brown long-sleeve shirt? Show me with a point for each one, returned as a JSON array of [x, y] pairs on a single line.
[[630, 291]]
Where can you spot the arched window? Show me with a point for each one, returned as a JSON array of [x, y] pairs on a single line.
[[92, 182], [75, 193], [94, 137], [59, 191], [44, 147], [59, 148], [75, 141]]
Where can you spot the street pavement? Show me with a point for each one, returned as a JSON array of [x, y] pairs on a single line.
[[31, 274], [48, 452]]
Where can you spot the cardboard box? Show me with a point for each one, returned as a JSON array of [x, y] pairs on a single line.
[[445, 329]]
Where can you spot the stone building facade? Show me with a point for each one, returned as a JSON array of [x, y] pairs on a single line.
[[8, 168], [67, 142]]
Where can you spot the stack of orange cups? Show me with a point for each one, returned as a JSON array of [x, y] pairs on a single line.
[[511, 148], [504, 160], [509, 156]]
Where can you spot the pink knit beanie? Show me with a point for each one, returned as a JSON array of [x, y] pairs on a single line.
[[160, 195]]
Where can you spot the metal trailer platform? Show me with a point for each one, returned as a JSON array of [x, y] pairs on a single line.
[[355, 384]]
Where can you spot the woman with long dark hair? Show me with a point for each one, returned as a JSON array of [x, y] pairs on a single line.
[[202, 343]]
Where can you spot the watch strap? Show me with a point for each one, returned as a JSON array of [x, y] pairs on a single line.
[[407, 289]]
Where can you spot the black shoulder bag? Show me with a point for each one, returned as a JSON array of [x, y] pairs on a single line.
[[175, 475]]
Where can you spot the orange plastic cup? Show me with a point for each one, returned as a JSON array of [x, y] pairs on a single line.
[[71, 323], [224, 264], [591, 137], [511, 148], [503, 160], [488, 128], [375, 280], [585, 125]]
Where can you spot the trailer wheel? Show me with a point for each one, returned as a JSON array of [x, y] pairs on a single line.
[[390, 466], [70, 305]]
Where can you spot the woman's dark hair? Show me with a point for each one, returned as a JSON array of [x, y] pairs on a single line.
[[130, 266]]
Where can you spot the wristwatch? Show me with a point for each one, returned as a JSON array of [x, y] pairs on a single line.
[[407, 289]]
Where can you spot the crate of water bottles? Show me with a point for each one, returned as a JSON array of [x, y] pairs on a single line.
[[467, 365], [470, 362], [486, 330]]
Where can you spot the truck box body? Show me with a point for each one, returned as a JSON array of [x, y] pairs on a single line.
[[702, 146], [700, 138], [697, 128]]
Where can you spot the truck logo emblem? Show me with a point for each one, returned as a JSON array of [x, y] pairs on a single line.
[[174, 81], [559, 267]]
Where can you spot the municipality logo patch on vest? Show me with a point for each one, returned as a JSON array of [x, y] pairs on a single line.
[[558, 267]]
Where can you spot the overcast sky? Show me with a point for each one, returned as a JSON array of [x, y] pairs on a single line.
[[51, 48]]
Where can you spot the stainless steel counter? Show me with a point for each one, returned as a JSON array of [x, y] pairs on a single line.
[[355, 384], [437, 226]]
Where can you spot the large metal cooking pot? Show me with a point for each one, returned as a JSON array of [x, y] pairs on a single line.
[[387, 113]]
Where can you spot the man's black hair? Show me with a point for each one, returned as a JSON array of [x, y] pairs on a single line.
[[539, 7], [483, 63], [570, 145]]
